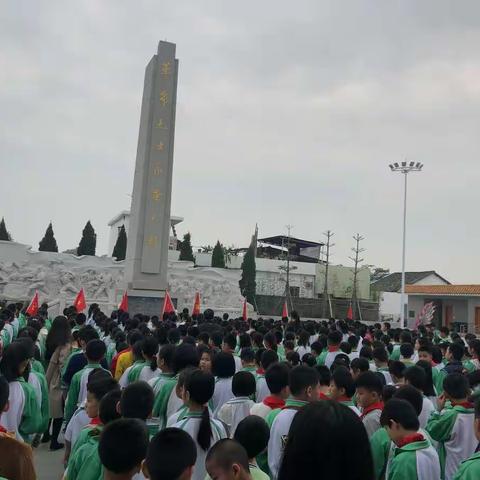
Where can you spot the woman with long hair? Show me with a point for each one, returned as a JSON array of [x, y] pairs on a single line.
[[327, 440], [204, 430], [58, 347]]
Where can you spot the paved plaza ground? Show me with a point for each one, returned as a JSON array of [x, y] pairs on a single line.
[[48, 464]]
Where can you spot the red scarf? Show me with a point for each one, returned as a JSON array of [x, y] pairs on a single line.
[[3, 430], [334, 348], [322, 396], [463, 404], [260, 371], [414, 437], [273, 402], [371, 408], [95, 421]]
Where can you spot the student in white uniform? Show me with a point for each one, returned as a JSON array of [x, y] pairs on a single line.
[[228, 346], [380, 358], [223, 367], [268, 357], [235, 410], [304, 388], [145, 365], [417, 377], [303, 345], [204, 430], [165, 366]]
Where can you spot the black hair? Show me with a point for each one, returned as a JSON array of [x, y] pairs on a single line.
[[335, 337], [247, 355], [416, 376], [226, 452], [400, 411], [87, 333], [95, 350], [456, 386], [324, 375], [343, 379], [170, 453], [457, 350], [397, 368], [411, 395], [268, 357], [13, 356], [58, 335], [271, 340], [166, 353], [341, 360], [323, 436], [293, 358], [99, 387], [277, 377], [107, 410], [244, 341], [216, 338], [388, 392], [428, 388], [185, 355], [253, 434], [201, 386], [223, 365], [380, 354], [137, 401], [371, 382], [361, 364], [243, 384], [301, 378], [309, 360], [366, 352], [4, 392], [406, 350], [316, 347], [118, 455], [150, 350], [231, 340]]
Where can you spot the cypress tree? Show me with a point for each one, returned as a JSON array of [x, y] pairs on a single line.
[[48, 242], [88, 242], [218, 256], [120, 249], [186, 252], [4, 235], [247, 283]]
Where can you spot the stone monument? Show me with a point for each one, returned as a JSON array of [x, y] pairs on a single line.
[[147, 248]]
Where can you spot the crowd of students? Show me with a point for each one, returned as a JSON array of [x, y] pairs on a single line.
[[132, 397]]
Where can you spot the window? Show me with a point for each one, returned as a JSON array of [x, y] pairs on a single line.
[[411, 313]]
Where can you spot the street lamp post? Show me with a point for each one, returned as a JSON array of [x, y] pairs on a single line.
[[405, 168]]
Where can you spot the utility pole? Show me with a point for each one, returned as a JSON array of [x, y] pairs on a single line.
[[287, 284], [357, 251], [329, 234]]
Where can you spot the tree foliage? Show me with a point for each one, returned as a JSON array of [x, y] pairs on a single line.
[[218, 256], [4, 235], [186, 251], [88, 242], [248, 284], [48, 242], [120, 249]]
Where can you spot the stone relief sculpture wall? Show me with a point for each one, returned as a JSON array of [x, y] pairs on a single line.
[[61, 275]]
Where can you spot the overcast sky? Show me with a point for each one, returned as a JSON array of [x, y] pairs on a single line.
[[288, 113]]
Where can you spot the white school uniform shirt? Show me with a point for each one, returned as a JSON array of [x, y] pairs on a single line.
[[301, 350], [223, 393], [77, 423], [174, 403], [82, 392], [353, 355], [191, 425], [238, 363], [11, 419], [233, 412], [158, 381], [330, 357], [427, 409], [279, 434], [371, 421], [262, 389], [384, 371]]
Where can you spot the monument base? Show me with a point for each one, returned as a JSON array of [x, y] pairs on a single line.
[[146, 302]]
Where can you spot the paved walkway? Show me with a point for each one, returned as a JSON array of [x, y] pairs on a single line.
[[48, 465]]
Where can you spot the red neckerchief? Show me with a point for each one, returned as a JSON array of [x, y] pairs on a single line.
[[334, 348], [95, 421], [463, 404], [260, 371], [371, 408], [3, 430], [414, 437], [322, 396], [273, 402]]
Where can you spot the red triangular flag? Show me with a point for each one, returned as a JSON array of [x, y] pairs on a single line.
[[244, 311], [350, 313], [80, 303], [32, 309], [196, 305], [285, 310], [167, 304], [124, 303]]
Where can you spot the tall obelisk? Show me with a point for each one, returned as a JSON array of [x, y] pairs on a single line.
[[149, 230]]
